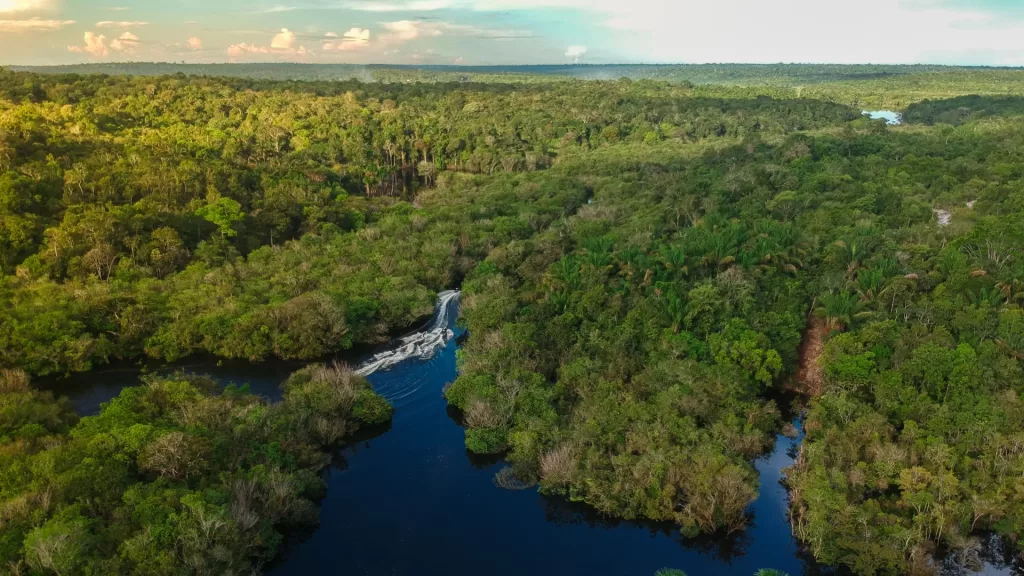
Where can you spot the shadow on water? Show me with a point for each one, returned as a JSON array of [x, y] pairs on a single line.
[[88, 391]]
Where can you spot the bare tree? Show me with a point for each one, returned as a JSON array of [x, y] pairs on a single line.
[[175, 455]]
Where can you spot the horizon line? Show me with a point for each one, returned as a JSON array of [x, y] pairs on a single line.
[[470, 66]]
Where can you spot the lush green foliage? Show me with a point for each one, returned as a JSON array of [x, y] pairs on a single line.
[[645, 265], [622, 356], [163, 215], [173, 477], [958, 111], [913, 441]]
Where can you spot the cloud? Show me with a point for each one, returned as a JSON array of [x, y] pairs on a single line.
[[194, 43], [576, 52], [236, 50], [406, 30], [113, 24], [283, 44], [354, 38], [125, 42], [285, 40], [878, 31], [10, 6], [33, 25], [411, 6], [358, 35], [95, 45], [278, 9]]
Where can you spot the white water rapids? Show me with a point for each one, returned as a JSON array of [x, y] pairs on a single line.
[[422, 345], [891, 118]]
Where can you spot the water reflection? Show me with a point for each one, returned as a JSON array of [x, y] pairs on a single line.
[[407, 499], [416, 503]]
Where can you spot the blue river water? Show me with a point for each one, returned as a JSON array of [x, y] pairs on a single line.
[[412, 501]]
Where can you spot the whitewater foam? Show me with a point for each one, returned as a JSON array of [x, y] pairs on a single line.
[[422, 345]]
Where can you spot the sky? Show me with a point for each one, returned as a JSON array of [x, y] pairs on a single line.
[[501, 32]]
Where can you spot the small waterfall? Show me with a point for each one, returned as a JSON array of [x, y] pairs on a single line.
[[891, 118], [422, 345]]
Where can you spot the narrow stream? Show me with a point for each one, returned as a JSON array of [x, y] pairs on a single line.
[[412, 501]]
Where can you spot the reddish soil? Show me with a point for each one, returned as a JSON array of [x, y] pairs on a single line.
[[811, 349]]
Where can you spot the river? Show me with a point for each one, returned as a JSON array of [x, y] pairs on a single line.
[[412, 501]]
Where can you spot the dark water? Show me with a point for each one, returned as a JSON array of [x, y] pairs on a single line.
[[89, 390], [412, 501]]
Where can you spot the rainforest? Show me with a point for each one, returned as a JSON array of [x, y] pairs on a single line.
[[662, 274]]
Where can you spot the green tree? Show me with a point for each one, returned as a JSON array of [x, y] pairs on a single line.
[[224, 213]]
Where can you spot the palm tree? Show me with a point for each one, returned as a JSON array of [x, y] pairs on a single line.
[[598, 260], [628, 260], [870, 284], [1012, 289], [849, 254], [676, 308], [674, 258], [986, 297], [839, 309], [599, 245], [565, 273], [770, 572]]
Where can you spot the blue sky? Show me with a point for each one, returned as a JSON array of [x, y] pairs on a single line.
[[513, 31]]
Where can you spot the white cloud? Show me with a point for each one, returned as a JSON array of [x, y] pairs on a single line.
[[406, 30], [283, 45], [839, 31], [285, 40], [358, 35], [194, 43], [412, 6], [33, 25], [9, 6], [95, 45], [576, 52], [236, 50], [123, 24], [354, 38], [125, 42]]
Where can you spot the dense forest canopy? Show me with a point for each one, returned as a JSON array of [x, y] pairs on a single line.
[[858, 85], [734, 74], [147, 194], [648, 266]]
